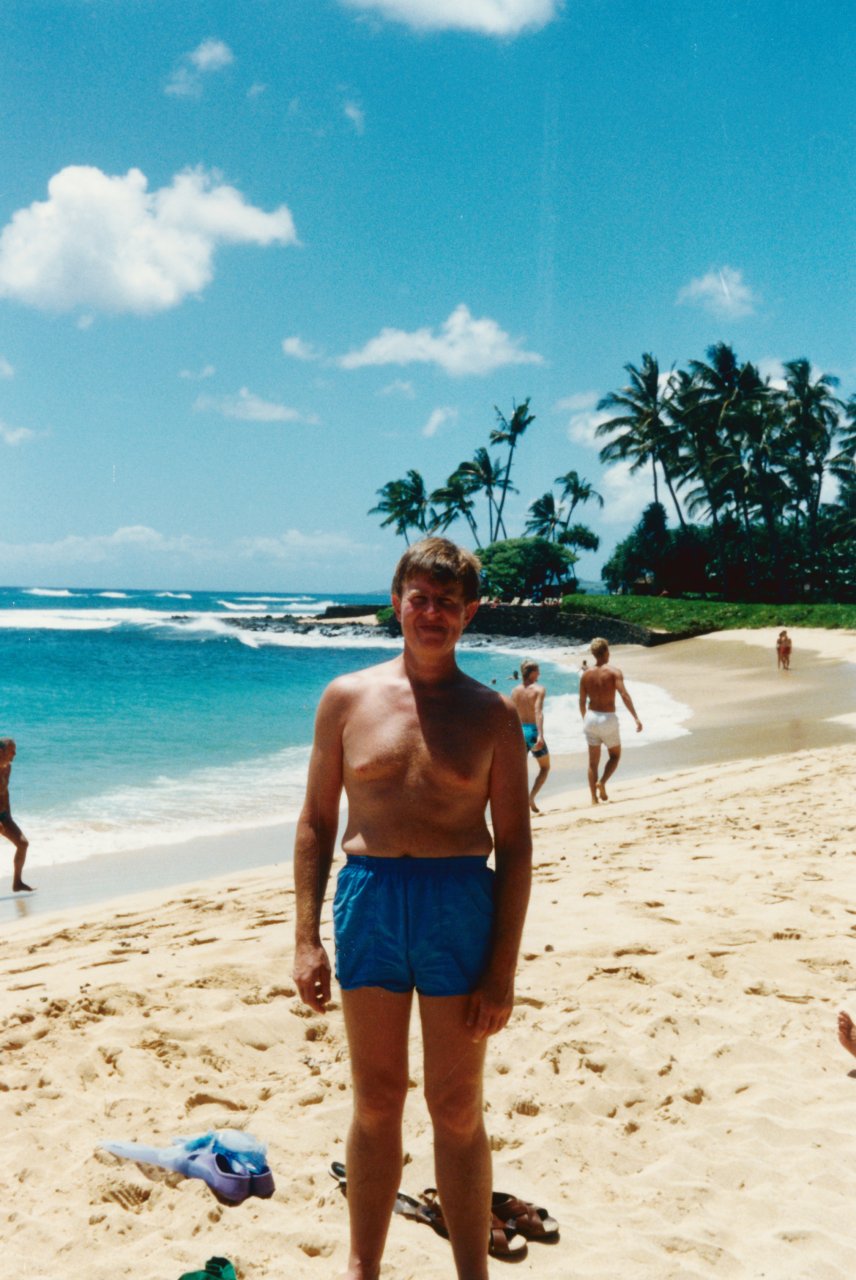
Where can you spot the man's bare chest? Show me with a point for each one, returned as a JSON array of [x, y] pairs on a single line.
[[416, 748]]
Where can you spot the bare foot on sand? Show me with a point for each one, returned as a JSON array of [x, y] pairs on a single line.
[[847, 1032], [533, 806], [601, 791], [20, 887]]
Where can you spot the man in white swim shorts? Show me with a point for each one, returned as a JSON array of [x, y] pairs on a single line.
[[598, 687]]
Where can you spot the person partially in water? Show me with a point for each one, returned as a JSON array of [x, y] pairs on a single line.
[[8, 826]]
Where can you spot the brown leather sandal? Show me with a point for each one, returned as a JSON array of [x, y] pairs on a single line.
[[500, 1242], [526, 1218]]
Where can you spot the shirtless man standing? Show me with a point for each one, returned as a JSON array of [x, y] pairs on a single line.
[[528, 698], [420, 749], [8, 826], [598, 687]]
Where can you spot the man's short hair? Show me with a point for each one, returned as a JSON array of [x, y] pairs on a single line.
[[599, 645], [442, 560], [527, 666]]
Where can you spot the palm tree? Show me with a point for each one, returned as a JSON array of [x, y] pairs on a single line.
[[742, 424], [646, 434], [545, 518], [486, 475], [454, 497], [810, 413], [406, 504], [576, 492], [509, 432], [581, 538]]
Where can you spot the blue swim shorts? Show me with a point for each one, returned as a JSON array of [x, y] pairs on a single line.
[[401, 923], [530, 733]]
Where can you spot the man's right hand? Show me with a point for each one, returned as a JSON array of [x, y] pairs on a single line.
[[312, 974]]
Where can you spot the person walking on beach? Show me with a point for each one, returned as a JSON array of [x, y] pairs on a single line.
[[784, 645], [598, 687], [8, 826], [421, 750], [528, 698]]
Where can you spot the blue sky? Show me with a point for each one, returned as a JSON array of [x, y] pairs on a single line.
[[258, 259]]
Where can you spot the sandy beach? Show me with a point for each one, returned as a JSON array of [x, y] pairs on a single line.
[[670, 1087]]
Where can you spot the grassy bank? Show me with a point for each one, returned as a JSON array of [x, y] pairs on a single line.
[[700, 616]]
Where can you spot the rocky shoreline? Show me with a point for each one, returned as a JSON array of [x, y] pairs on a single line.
[[542, 625]]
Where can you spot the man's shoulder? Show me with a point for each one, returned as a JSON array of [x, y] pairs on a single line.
[[355, 684]]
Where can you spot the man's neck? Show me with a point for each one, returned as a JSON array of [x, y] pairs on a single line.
[[431, 671]]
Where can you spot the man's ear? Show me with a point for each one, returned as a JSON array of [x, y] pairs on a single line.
[[470, 612], [396, 604]]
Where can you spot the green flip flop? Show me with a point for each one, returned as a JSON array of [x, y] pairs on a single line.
[[215, 1269]]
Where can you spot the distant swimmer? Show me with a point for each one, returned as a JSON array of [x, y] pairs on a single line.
[[847, 1032], [528, 698], [8, 826], [598, 687]]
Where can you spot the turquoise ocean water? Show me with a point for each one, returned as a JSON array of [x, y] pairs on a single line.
[[145, 719]]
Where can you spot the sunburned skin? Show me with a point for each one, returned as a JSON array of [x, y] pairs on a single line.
[[416, 778], [422, 752]]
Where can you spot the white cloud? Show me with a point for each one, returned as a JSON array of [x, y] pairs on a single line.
[[625, 496], [97, 548], [488, 17], [207, 371], [15, 435], [186, 79], [400, 387], [211, 55], [463, 345], [141, 546], [256, 90], [722, 292], [297, 548], [583, 424], [6, 370], [108, 242], [773, 369], [356, 115], [300, 350], [247, 407], [576, 403], [437, 419]]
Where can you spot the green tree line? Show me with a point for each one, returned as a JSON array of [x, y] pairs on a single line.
[[748, 468], [760, 476]]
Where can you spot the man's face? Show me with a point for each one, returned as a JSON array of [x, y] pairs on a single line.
[[7, 753], [432, 614]]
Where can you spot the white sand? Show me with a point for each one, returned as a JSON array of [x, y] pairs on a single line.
[[670, 1087]]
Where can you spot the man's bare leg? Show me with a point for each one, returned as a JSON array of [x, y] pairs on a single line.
[[543, 763], [454, 1070], [10, 829], [847, 1032], [608, 770], [377, 1023], [594, 764]]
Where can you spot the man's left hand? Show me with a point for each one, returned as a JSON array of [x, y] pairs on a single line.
[[490, 1008]]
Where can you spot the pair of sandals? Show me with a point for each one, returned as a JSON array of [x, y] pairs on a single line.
[[511, 1218]]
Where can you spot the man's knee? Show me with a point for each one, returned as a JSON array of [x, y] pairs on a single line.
[[380, 1101], [456, 1110]]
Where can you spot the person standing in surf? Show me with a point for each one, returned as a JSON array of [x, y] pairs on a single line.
[[8, 826]]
